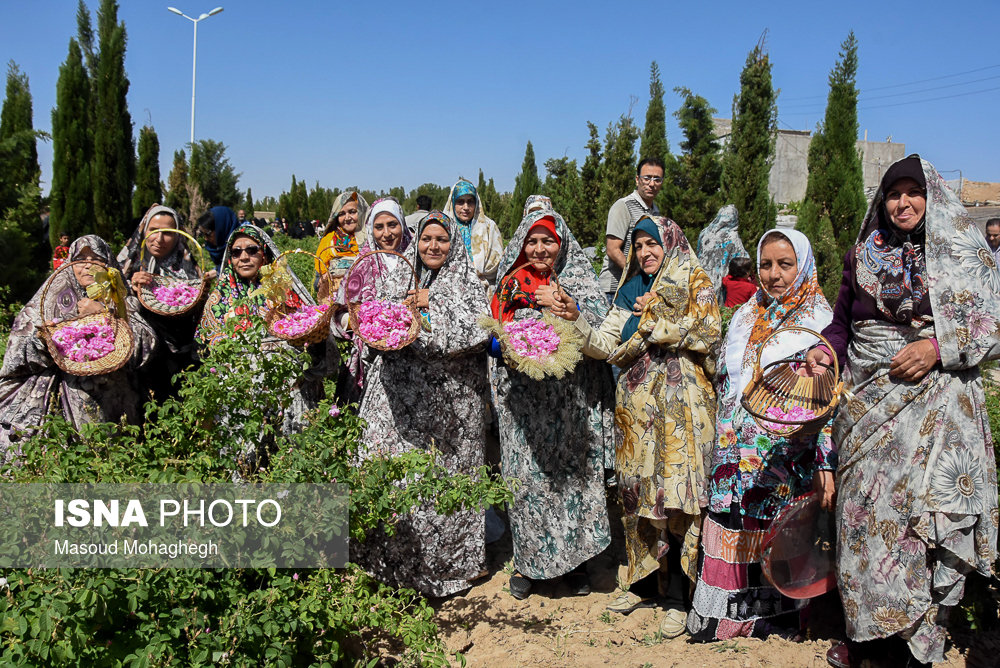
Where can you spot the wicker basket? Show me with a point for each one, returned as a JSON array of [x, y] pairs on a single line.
[[315, 334], [124, 339], [353, 307], [561, 362], [146, 293], [778, 385]]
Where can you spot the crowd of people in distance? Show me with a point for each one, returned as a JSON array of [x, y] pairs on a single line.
[[653, 413]]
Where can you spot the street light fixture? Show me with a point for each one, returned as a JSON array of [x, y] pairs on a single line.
[[194, 57]]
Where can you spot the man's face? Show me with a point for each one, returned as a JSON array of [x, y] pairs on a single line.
[[649, 182], [993, 235], [242, 214]]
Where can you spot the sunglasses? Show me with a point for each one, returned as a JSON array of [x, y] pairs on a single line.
[[249, 250]]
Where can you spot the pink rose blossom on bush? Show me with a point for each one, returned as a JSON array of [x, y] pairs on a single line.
[[384, 321], [298, 322], [85, 343], [534, 339], [335, 411], [176, 294]]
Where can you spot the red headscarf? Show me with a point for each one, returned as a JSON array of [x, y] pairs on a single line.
[[517, 290]]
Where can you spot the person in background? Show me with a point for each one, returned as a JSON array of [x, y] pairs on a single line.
[[623, 215], [61, 252], [215, 225], [241, 216], [480, 234], [739, 285], [423, 207], [993, 237]]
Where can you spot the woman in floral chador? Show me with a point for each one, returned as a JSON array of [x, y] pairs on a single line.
[[916, 315], [32, 386], [480, 235], [660, 331], [754, 473], [385, 229], [165, 254], [429, 395], [553, 433]]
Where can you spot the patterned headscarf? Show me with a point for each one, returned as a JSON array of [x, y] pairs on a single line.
[[340, 202], [891, 265], [572, 268], [460, 189], [640, 283], [64, 290], [517, 289], [719, 243], [178, 264], [231, 287], [481, 236], [801, 305], [537, 203]]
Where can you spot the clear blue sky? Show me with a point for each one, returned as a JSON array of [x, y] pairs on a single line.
[[402, 93]]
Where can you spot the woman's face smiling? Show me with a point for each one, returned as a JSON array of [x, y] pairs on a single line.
[[777, 266], [347, 219], [465, 206], [162, 244], [648, 252], [245, 263], [433, 245], [541, 248], [906, 203], [82, 271], [387, 230]]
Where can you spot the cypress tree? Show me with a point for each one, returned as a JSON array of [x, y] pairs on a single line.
[[835, 195], [147, 175], [746, 165], [71, 197], [19, 157], [247, 205], [618, 165], [565, 188], [489, 197], [216, 179], [654, 140], [526, 184], [590, 187], [698, 170], [177, 197], [114, 148], [20, 199]]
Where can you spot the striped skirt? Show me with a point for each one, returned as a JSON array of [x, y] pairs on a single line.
[[732, 597]]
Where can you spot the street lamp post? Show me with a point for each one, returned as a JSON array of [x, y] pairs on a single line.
[[194, 57]]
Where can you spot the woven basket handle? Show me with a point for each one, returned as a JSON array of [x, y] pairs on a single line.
[[347, 276], [63, 267], [201, 253], [552, 277], [823, 340]]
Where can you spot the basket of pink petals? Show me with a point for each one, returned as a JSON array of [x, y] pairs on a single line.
[[92, 344], [384, 324], [293, 320], [540, 347], [169, 295], [787, 404]]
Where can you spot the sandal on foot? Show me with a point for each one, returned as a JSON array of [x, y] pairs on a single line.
[[520, 586], [628, 602]]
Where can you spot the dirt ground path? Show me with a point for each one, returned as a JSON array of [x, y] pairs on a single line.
[[553, 628]]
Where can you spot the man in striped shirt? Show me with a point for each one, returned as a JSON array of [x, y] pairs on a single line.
[[623, 215]]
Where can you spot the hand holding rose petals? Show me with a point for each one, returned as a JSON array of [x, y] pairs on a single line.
[[534, 339], [300, 321], [176, 294], [84, 343], [384, 322]]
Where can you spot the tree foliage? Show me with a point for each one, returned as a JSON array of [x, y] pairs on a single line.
[[746, 165], [210, 170], [654, 140], [247, 204], [697, 172], [147, 175], [592, 223], [113, 171], [565, 188], [177, 197], [834, 204], [526, 184], [71, 197], [618, 164]]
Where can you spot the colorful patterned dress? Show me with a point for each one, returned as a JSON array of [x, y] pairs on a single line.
[[754, 474]]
